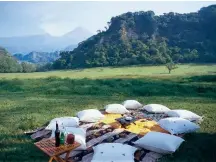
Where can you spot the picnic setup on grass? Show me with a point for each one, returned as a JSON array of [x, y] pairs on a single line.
[[124, 132]]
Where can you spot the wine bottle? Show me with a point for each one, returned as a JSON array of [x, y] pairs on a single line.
[[57, 136], [62, 137]]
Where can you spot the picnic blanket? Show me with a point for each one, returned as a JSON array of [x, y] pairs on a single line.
[[109, 130]]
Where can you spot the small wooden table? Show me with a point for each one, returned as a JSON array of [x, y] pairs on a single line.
[[48, 147]]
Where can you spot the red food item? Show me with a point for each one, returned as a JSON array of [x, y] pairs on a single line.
[[70, 138]]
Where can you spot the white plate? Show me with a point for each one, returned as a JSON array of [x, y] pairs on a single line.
[[128, 118]]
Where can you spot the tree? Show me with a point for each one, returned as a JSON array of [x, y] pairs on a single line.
[[171, 66], [108, 23], [8, 64], [98, 31], [44, 67], [28, 67]]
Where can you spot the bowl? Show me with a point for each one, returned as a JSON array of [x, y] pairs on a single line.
[[128, 118]]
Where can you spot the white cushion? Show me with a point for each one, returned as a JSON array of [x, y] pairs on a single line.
[[63, 121], [116, 152], [116, 109], [176, 125], [79, 133], [159, 142], [132, 104], [184, 114], [156, 108], [90, 115]]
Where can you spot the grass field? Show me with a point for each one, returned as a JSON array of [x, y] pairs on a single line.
[[27, 101], [129, 72]]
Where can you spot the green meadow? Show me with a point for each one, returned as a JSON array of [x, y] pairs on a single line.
[[28, 100], [119, 72]]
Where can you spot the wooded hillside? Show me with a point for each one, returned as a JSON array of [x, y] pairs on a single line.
[[145, 38]]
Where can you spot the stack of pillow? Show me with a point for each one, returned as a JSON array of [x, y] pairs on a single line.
[[177, 122]]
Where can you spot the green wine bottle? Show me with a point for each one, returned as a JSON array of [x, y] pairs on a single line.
[[62, 138]]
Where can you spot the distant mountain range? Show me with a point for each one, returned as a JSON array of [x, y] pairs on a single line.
[[45, 42], [38, 57]]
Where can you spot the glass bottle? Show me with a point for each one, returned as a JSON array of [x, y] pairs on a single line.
[[57, 136]]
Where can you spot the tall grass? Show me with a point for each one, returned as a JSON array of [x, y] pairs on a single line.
[[190, 86]]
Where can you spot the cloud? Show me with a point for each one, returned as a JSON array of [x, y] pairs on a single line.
[[58, 18]]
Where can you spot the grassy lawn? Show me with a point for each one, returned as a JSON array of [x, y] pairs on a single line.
[[107, 72], [30, 100]]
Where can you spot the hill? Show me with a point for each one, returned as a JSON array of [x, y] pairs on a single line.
[[8, 63], [145, 38], [44, 42], [38, 57]]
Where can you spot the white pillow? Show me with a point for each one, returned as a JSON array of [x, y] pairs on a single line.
[[159, 142], [79, 133], [156, 108], [63, 121], [116, 152], [184, 114], [90, 115], [132, 104], [116, 109], [176, 125]]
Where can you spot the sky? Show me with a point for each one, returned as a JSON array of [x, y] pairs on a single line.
[[58, 18]]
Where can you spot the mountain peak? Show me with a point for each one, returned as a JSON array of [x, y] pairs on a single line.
[[79, 31]]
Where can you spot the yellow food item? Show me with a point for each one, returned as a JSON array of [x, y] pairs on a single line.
[[110, 118], [141, 126]]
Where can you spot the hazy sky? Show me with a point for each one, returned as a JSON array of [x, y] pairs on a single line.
[[58, 18]]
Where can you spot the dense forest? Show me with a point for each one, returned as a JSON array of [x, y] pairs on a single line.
[[145, 38]]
